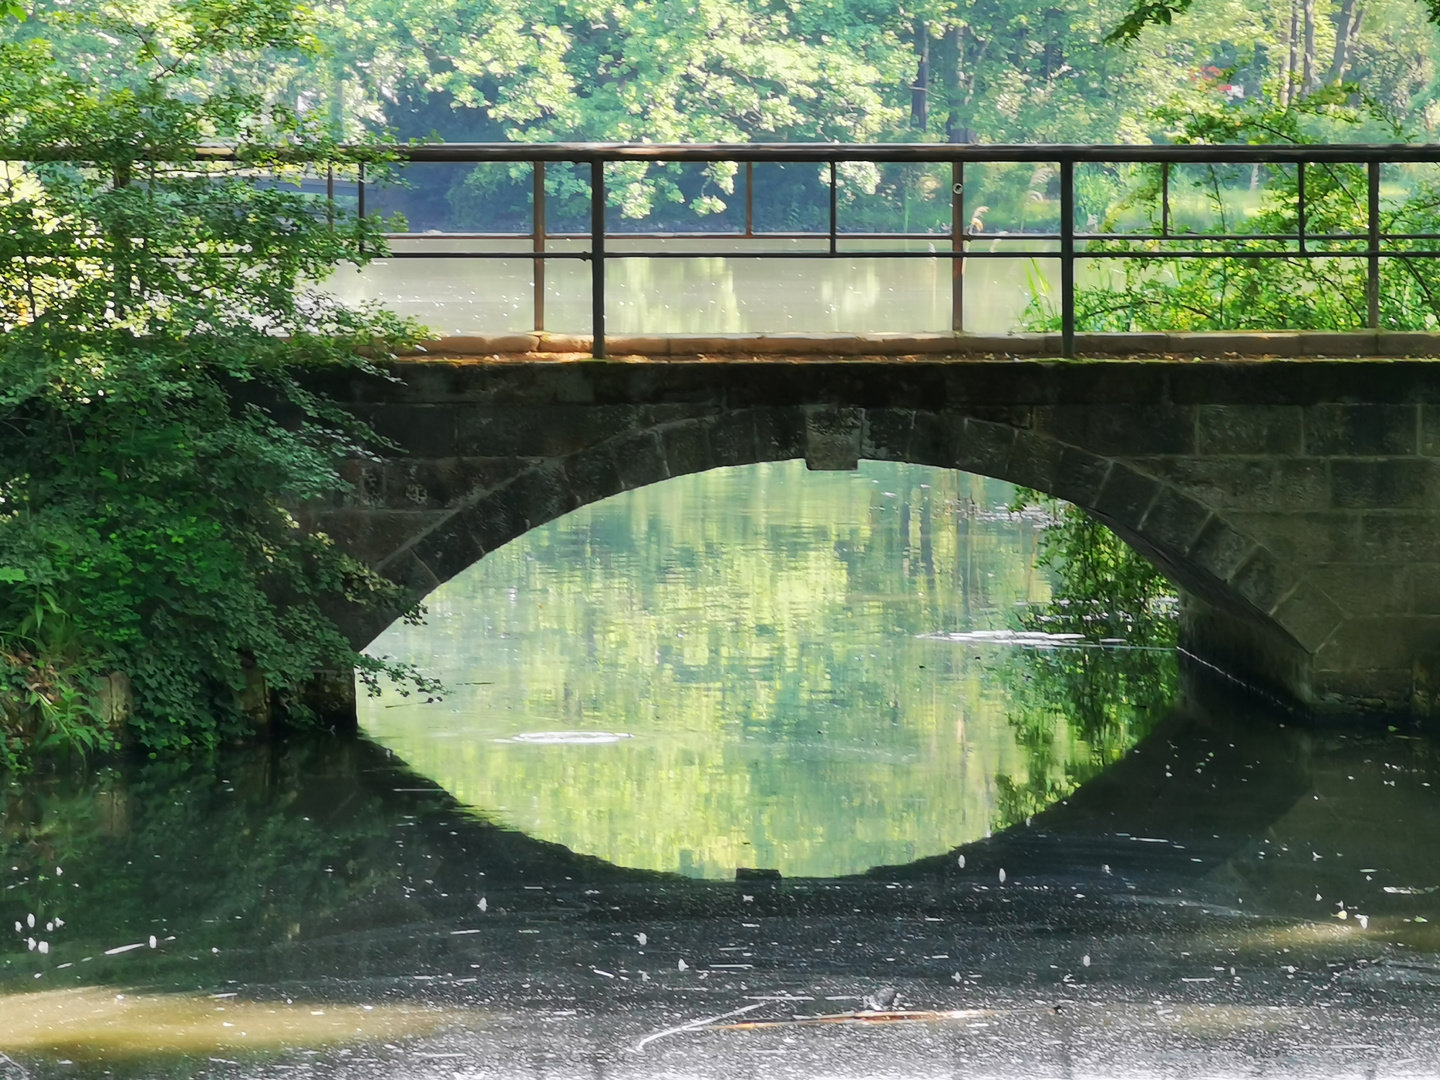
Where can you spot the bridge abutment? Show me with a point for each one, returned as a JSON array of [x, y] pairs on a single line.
[[1296, 504]]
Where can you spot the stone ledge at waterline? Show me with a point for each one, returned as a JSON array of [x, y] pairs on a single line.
[[330, 696], [1287, 343], [1296, 501], [113, 702]]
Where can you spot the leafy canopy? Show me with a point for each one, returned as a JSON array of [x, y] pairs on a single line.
[[1321, 284], [158, 316]]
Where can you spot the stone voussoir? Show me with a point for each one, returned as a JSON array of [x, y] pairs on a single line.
[[1248, 483]]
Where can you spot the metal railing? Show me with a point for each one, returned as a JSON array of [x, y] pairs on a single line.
[[960, 235]]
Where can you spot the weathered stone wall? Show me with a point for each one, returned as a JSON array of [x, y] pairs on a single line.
[[1297, 503]]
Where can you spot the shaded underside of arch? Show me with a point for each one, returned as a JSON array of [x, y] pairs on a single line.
[[1243, 593]]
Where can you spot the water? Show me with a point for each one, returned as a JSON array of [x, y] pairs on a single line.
[[1174, 881], [716, 293], [753, 667]]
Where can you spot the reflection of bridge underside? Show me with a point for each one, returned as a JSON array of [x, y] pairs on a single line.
[[1177, 806], [1181, 803]]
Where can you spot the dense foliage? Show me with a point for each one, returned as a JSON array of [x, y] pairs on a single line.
[[155, 324], [1110, 697], [1321, 285], [788, 70]]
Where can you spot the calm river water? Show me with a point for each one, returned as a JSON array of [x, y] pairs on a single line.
[[720, 292], [1062, 862]]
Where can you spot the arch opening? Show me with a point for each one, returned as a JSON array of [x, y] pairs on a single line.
[[758, 666], [1245, 609]]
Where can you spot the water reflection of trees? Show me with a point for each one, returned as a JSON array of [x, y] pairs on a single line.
[[239, 854], [774, 640], [1107, 674]]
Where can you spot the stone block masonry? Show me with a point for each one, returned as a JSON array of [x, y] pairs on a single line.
[[1296, 503]]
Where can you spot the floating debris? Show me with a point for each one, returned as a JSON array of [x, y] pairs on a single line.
[[861, 1016], [567, 738]]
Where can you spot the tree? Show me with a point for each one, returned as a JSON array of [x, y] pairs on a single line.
[[157, 319], [1240, 292]]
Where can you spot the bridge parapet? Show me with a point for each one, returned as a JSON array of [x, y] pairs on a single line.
[[1287, 344], [1296, 503]]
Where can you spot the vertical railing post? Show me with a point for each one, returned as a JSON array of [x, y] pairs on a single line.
[[834, 210], [1164, 198], [360, 196], [537, 244], [1372, 270], [1300, 205], [597, 257], [330, 196], [957, 246], [749, 198], [1067, 258]]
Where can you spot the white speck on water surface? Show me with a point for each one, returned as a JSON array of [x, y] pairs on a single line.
[[1002, 875], [483, 905]]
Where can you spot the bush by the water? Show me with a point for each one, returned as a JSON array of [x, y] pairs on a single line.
[[157, 316]]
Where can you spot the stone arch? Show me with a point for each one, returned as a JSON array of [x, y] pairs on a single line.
[[1247, 610]]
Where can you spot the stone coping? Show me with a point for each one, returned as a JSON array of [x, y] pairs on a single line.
[[1222, 344]]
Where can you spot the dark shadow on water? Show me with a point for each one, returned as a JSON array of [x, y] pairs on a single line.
[[322, 875], [1209, 778]]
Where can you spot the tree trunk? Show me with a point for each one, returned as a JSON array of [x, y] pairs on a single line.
[[1310, 77], [1347, 32], [949, 60], [920, 92], [1287, 84]]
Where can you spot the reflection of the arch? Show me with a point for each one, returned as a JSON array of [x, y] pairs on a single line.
[[1228, 802], [326, 872], [787, 651]]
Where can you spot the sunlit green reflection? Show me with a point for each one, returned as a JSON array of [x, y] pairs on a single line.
[[753, 641]]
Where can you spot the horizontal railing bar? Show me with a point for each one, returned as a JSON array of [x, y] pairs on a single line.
[[800, 153], [883, 254], [784, 153], [758, 234], [1172, 238]]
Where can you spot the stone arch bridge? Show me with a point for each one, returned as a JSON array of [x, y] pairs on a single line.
[[1295, 503]]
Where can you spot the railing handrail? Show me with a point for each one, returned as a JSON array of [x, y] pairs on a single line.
[[460, 153], [919, 152], [957, 155]]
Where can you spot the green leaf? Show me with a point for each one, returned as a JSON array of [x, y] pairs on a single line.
[[1147, 13]]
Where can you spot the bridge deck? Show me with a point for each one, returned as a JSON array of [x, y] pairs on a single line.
[[1291, 344]]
